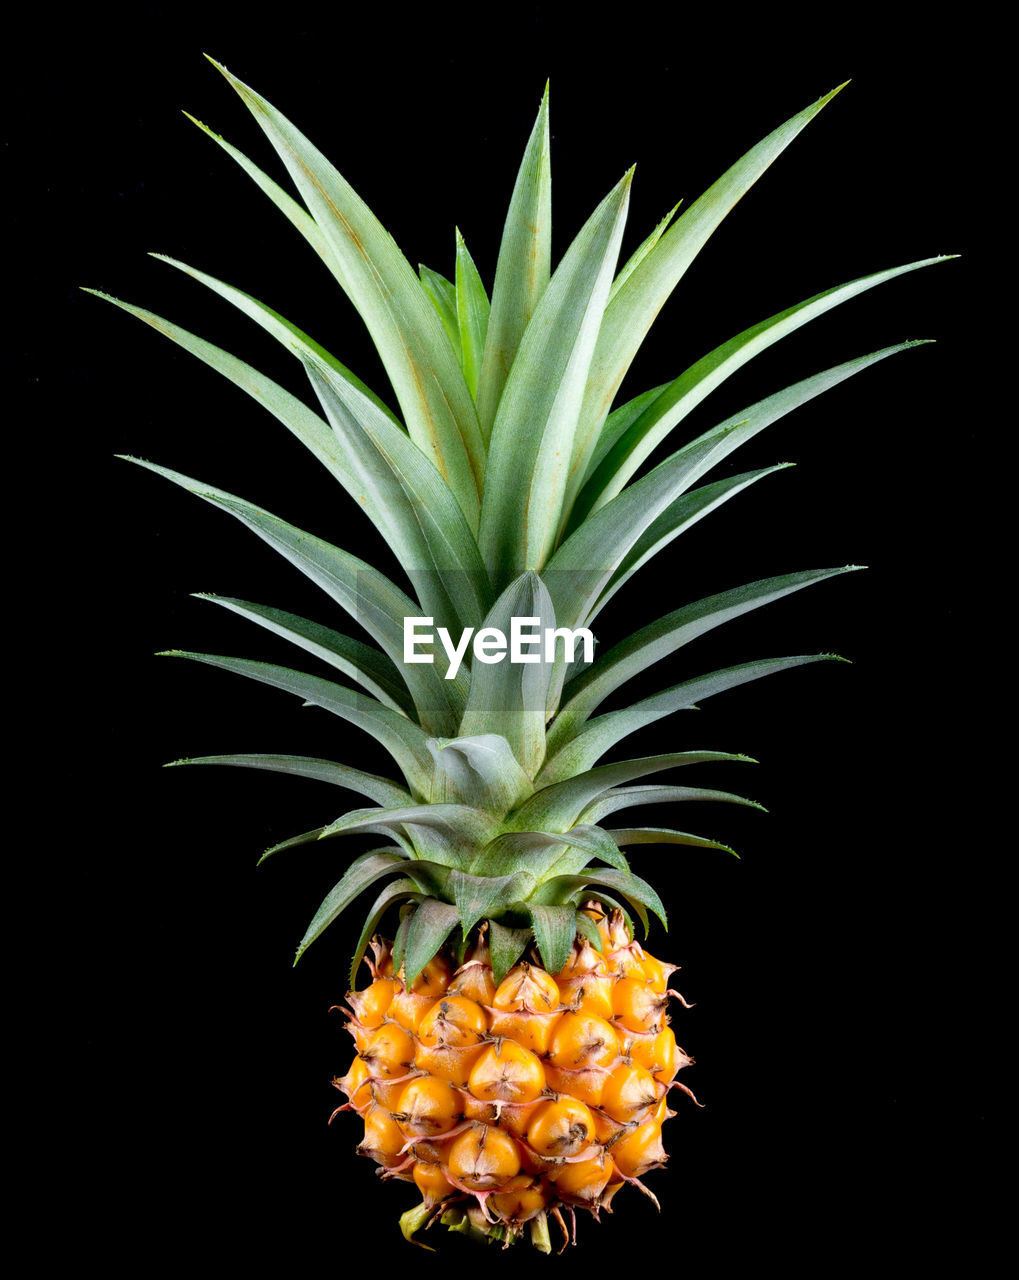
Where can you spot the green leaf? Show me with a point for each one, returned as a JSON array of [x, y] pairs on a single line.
[[364, 665], [381, 790], [479, 771], [287, 205], [398, 891], [561, 805], [629, 797], [660, 639], [506, 947], [404, 741], [512, 694], [538, 851], [412, 1220], [472, 314], [632, 311], [635, 890], [602, 733], [369, 597], [430, 926], [625, 837], [293, 339], [589, 929], [441, 557], [400, 937], [478, 896], [554, 931], [527, 469], [641, 252], [584, 843], [588, 559], [442, 293], [677, 517], [618, 456], [467, 825], [295, 415], [361, 873], [294, 842], [522, 271], [625, 415], [422, 367]]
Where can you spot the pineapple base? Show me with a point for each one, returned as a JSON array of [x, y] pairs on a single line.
[[511, 1104]]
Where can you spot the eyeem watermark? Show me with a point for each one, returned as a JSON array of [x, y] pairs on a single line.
[[528, 641]]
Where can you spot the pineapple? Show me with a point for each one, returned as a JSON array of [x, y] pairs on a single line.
[[515, 1058]]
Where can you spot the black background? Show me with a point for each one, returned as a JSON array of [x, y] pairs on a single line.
[[841, 1037]]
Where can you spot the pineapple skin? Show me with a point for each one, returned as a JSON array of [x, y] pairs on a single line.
[[500, 1139]]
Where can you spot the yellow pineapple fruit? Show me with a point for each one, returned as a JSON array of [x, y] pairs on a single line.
[[554, 1111]]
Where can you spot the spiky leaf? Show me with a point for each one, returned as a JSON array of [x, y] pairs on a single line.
[[381, 790], [404, 741], [527, 469], [631, 797], [367, 595], [512, 694], [361, 663], [554, 931], [678, 516], [293, 339], [522, 270], [586, 562], [617, 457], [472, 312], [657, 641], [442, 294], [436, 404], [506, 946], [635, 306], [360, 875], [605, 731], [560, 805], [430, 926], [627, 836], [477, 896], [479, 771], [441, 555], [636, 891], [399, 891]]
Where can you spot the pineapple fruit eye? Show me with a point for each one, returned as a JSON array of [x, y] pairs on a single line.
[[527, 990], [514, 1050], [484, 1158], [561, 1127], [427, 1107], [583, 1040], [636, 1004], [507, 1072], [453, 1021]]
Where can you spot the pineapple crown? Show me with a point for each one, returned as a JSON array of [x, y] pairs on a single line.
[[511, 485]]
